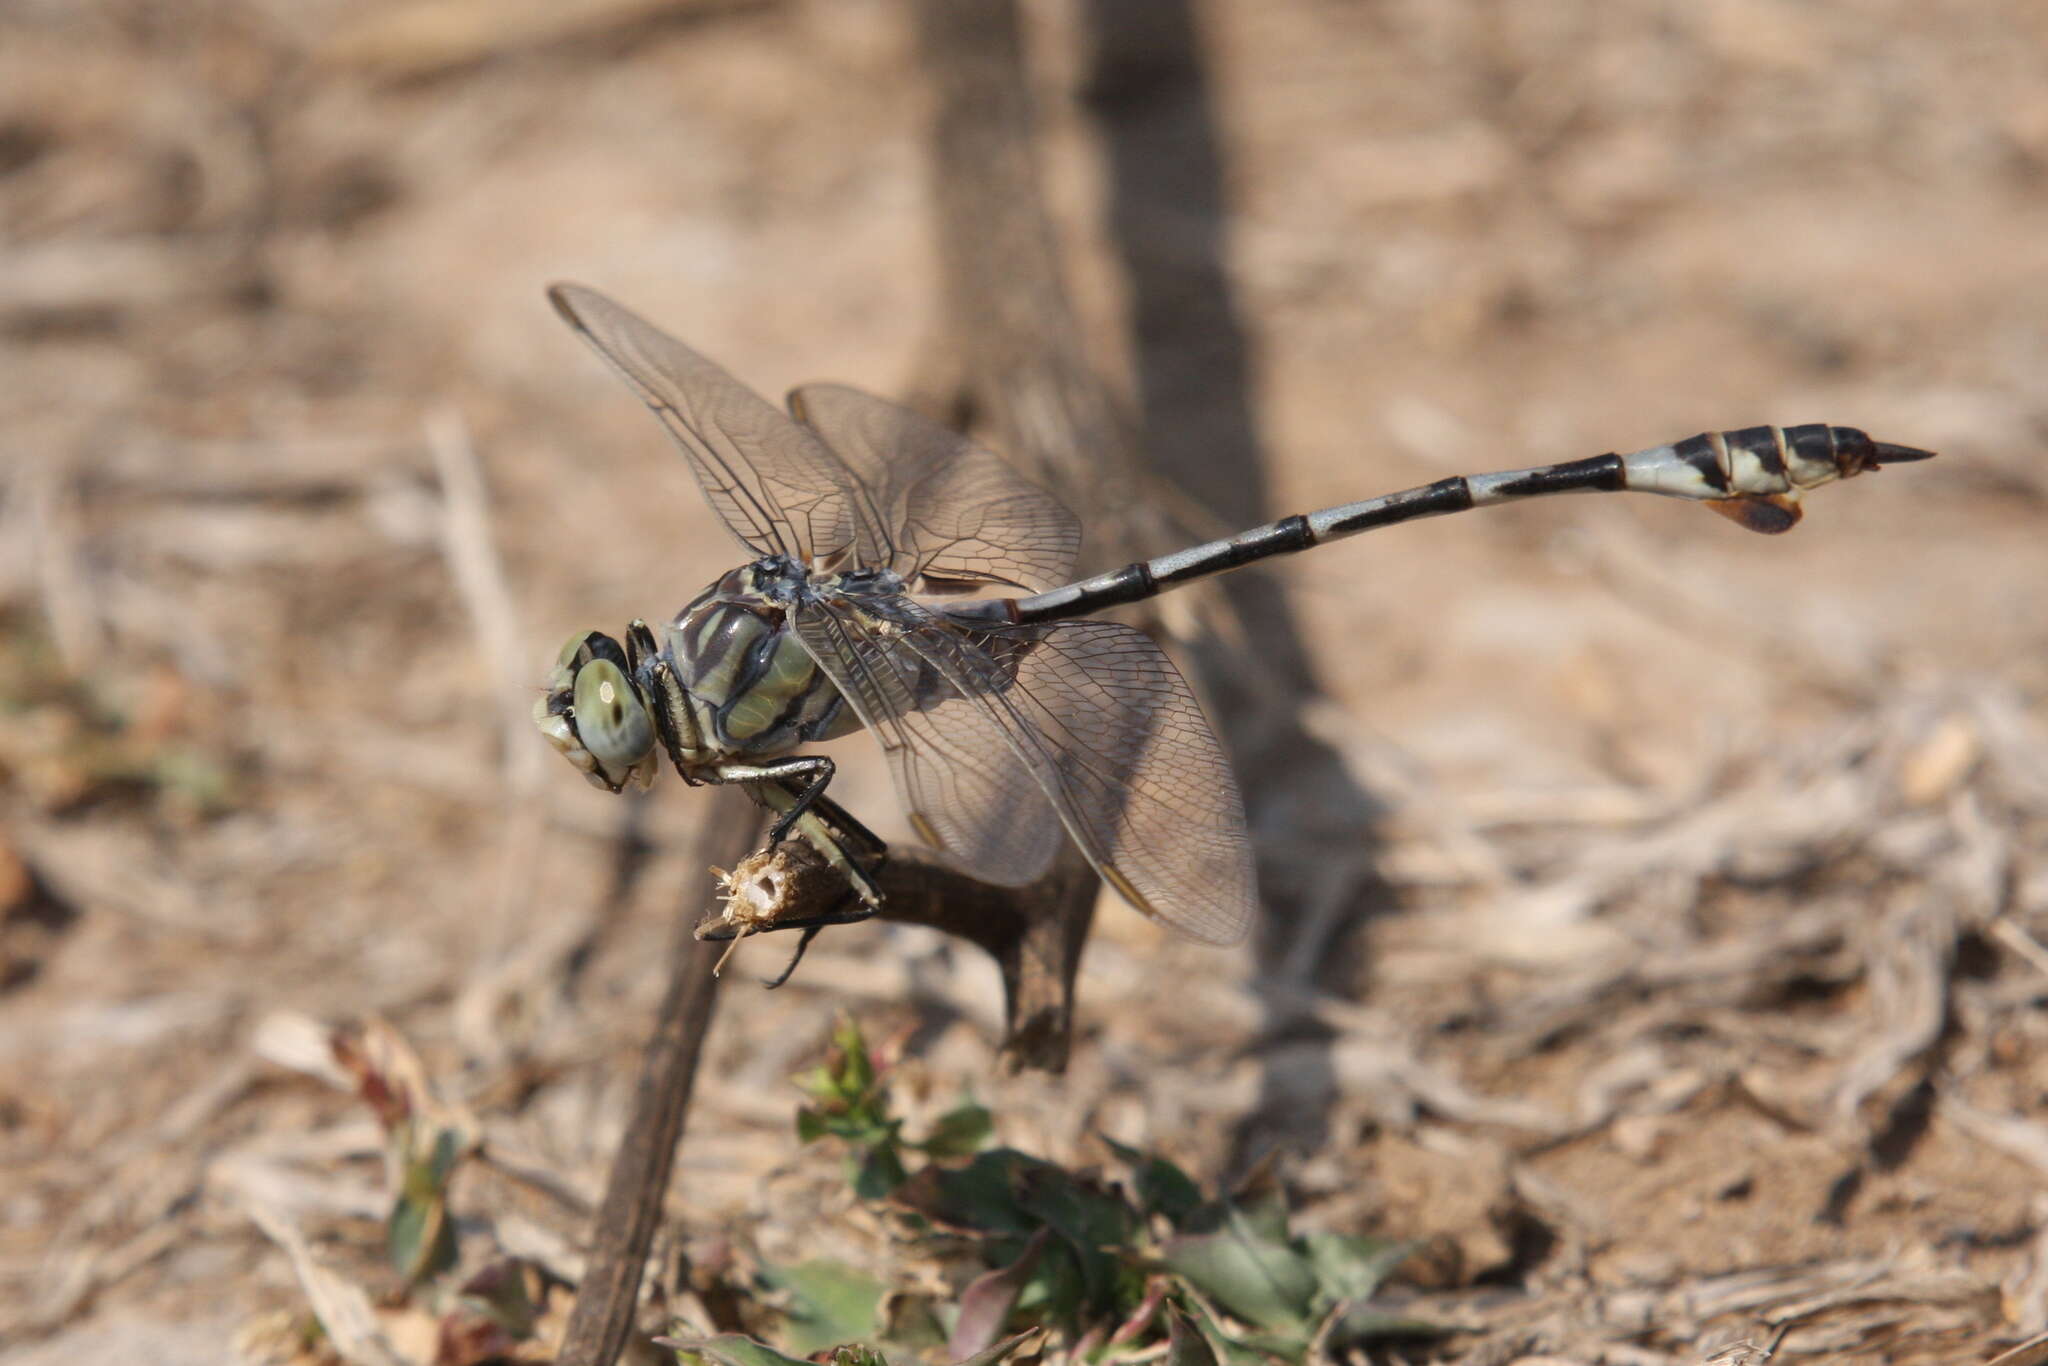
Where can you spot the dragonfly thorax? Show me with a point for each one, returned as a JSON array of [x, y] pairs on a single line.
[[753, 690]]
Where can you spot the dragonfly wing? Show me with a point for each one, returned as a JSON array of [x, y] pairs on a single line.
[[958, 515], [1138, 775], [774, 484], [1091, 713], [952, 766]]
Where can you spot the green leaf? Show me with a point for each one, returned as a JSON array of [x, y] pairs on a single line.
[[828, 1303], [877, 1172], [727, 1349], [1087, 1213], [980, 1195], [847, 1062], [960, 1132], [1259, 1201], [1263, 1217], [851, 1099], [1255, 1277], [419, 1237], [1057, 1292], [1096, 1226], [819, 1084], [441, 1162], [1163, 1188], [1233, 1352], [1352, 1266]]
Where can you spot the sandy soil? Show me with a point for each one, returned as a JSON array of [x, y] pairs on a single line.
[[1712, 1002]]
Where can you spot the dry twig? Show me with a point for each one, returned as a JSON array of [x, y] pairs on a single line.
[[627, 1216]]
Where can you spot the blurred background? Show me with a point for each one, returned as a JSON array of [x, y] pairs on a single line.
[[1712, 864]]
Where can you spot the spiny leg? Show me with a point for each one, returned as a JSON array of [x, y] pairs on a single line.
[[845, 849], [856, 851], [810, 933], [797, 781], [655, 678]]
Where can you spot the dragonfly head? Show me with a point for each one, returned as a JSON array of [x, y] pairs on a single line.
[[596, 717]]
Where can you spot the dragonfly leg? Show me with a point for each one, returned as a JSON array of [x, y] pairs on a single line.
[[654, 677], [810, 933], [857, 838], [795, 790], [851, 849], [801, 779]]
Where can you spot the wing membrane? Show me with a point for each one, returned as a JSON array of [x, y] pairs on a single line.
[[1142, 782], [1096, 717], [953, 771], [956, 513], [772, 481]]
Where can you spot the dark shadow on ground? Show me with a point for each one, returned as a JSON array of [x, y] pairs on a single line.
[[1149, 90]]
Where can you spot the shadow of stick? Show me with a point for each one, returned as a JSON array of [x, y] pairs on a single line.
[[1150, 92]]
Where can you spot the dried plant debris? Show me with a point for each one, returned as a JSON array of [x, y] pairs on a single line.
[[1837, 969], [68, 742], [1907, 912], [440, 1297]]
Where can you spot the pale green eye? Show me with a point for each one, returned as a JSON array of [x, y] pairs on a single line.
[[611, 721]]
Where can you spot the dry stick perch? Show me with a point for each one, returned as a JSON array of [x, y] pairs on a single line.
[[1025, 368], [627, 1216]]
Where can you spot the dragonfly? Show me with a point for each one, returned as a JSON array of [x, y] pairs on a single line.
[[903, 580]]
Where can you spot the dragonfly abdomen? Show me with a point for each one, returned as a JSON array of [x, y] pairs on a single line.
[[1753, 462], [1766, 463], [1754, 475]]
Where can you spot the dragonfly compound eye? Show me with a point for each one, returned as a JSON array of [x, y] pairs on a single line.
[[592, 716], [612, 725]]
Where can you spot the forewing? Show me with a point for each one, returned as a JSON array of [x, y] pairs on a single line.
[[774, 484], [953, 767], [956, 514]]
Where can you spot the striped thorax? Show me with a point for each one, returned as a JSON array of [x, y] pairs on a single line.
[[753, 690]]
